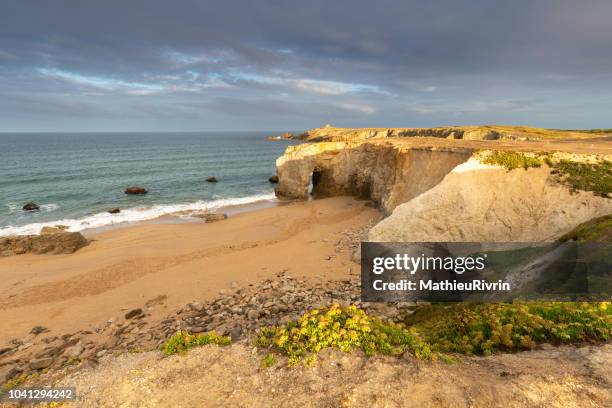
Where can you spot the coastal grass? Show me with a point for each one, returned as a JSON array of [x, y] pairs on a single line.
[[595, 177], [596, 230], [485, 328], [182, 341], [512, 160], [438, 329]]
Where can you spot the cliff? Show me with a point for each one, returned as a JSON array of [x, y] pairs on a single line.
[[485, 132], [434, 189]]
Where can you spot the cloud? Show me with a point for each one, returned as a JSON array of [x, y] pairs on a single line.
[[386, 63]]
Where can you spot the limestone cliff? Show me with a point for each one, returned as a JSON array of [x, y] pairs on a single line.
[[444, 191]]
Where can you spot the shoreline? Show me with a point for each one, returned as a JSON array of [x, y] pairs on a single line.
[[123, 268], [153, 214]]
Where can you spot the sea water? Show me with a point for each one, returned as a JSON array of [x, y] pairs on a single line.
[[77, 177]]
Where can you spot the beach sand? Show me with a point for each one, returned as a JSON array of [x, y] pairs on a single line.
[[124, 268]]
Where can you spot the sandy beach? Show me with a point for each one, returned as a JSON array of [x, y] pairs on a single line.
[[181, 262]]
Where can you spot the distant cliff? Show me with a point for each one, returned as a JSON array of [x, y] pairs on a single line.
[[329, 133]]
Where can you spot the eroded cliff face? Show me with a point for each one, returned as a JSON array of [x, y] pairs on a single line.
[[383, 172], [483, 203], [439, 193]]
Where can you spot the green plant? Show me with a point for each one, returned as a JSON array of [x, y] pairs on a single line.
[[344, 328], [485, 328], [595, 230], [595, 177], [512, 160], [182, 341], [268, 361]]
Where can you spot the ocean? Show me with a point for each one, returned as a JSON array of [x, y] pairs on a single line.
[[77, 177]]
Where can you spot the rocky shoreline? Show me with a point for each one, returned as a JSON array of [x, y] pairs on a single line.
[[238, 312]]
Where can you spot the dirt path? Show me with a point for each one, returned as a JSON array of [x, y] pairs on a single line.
[[218, 377]]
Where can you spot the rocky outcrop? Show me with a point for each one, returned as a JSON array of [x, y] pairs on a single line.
[[31, 207], [115, 210], [442, 192], [385, 173], [57, 243], [212, 179], [136, 190]]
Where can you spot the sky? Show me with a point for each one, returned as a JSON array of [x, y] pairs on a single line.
[[157, 65]]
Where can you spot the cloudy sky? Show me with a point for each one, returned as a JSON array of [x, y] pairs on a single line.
[[247, 65]]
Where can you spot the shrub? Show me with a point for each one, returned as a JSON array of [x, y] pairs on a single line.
[[343, 328], [486, 328], [595, 177], [182, 341], [512, 160]]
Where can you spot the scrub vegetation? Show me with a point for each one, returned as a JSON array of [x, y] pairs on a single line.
[[465, 328], [182, 341]]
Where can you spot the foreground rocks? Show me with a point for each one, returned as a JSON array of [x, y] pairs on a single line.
[[53, 243], [238, 312], [212, 179], [115, 210]]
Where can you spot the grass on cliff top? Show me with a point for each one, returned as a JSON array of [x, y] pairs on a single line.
[[466, 328], [595, 177], [595, 230], [512, 160], [484, 328], [182, 341]]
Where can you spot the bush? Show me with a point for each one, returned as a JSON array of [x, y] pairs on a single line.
[[182, 341], [595, 177], [344, 328], [512, 160], [486, 328]]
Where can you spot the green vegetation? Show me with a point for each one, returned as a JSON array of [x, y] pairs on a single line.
[[512, 160], [595, 177], [344, 328], [466, 328], [595, 230], [268, 361], [182, 341], [485, 328]]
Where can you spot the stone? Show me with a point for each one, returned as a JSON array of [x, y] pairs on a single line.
[[196, 306], [273, 179], [252, 314], [115, 210], [40, 363], [213, 217], [133, 313], [197, 329], [51, 230], [31, 207], [212, 179], [73, 351], [136, 190]]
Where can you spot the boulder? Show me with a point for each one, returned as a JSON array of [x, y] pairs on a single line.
[[31, 207], [115, 210], [273, 179], [136, 190], [133, 313], [55, 243], [40, 363], [38, 330], [212, 179], [212, 217], [51, 230]]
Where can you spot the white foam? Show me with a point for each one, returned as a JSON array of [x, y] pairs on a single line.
[[473, 165], [131, 215]]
